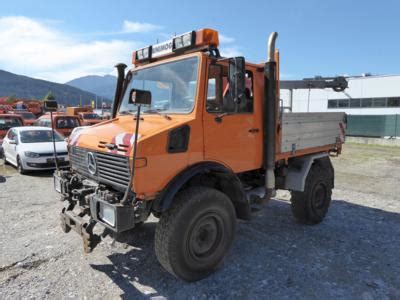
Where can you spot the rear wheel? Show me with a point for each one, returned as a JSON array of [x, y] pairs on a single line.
[[311, 206], [193, 237]]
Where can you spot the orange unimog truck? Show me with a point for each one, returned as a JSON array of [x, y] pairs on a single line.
[[62, 123], [86, 114], [196, 139]]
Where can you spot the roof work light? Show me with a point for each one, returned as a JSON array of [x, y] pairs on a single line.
[[184, 41], [193, 40]]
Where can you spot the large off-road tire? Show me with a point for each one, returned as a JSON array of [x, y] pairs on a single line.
[[311, 206], [194, 235]]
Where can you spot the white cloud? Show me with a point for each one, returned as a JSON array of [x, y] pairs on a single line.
[[230, 51], [34, 48], [135, 27], [223, 39]]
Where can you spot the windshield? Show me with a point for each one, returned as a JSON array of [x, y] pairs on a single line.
[[28, 116], [67, 122], [9, 122], [90, 116], [39, 136], [172, 86]]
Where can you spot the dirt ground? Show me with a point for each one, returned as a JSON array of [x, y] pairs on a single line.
[[354, 253]]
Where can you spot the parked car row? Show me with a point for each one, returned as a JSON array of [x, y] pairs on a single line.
[[26, 142]]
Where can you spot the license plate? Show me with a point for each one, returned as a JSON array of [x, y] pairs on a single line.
[[57, 184], [59, 159]]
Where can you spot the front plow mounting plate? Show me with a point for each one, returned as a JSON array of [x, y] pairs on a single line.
[[69, 221]]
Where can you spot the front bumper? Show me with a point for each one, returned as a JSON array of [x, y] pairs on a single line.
[[88, 206], [44, 163]]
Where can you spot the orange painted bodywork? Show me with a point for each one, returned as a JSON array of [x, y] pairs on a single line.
[[236, 142], [27, 122], [57, 116], [9, 116]]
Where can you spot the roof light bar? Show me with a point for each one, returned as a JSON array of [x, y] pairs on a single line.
[[199, 39]]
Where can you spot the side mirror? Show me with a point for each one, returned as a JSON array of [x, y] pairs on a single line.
[[139, 97], [236, 77], [50, 105]]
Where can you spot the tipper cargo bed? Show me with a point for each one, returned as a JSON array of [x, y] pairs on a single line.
[[301, 131]]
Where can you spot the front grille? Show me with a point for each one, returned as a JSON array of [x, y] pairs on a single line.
[[111, 169]]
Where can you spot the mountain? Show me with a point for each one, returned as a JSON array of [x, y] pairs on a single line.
[[31, 88], [103, 86]]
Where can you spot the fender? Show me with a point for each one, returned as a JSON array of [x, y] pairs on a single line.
[[229, 183], [299, 168]]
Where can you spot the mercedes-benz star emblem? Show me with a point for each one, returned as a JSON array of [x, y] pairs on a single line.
[[91, 163]]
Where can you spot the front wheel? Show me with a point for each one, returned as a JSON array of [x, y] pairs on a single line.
[[311, 206], [193, 237], [4, 158], [20, 167]]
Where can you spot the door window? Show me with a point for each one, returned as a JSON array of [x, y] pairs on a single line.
[[219, 99]]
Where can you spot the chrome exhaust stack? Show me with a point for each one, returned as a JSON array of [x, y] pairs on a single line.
[[270, 116]]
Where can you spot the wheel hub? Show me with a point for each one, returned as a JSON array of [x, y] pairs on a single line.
[[205, 237], [319, 196]]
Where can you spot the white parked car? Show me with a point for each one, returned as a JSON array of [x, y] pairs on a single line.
[[31, 148]]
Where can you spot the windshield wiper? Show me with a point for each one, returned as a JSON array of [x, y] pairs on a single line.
[[157, 111]]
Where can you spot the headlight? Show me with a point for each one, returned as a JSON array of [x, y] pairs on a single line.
[[74, 133], [31, 154], [107, 214]]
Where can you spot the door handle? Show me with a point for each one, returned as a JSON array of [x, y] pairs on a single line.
[[254, 130]]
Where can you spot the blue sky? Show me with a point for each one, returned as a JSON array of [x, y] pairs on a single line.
[[62, 40]]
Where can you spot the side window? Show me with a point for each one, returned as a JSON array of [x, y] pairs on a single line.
[[214, 101], [219, 99], [248, 103], [11, 135]]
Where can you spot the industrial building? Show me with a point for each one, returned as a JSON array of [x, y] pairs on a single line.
[[366, 95], [372, 104]]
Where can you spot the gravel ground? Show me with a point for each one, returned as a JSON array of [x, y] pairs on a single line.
[[352, 254]]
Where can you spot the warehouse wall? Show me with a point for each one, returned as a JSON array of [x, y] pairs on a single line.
[[359, 87]]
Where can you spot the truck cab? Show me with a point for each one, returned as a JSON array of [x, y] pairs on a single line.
[[194, 139], [89, 118], [62, 123], [28, 117]]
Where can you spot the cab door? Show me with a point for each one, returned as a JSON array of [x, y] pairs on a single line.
[[232, 131], [10, 150]]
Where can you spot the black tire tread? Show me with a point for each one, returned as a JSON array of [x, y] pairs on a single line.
[[299, 200], [165, 227]]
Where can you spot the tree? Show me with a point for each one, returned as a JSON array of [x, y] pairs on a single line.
[[11, 99], [49, 96]]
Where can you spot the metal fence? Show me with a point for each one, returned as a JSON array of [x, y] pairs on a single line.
[[373, 125]]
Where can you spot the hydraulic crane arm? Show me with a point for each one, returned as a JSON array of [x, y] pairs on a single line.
[[338, 84]]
